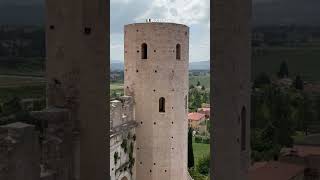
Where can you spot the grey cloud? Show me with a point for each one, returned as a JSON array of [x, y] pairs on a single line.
[[124, 13], [173, 12]]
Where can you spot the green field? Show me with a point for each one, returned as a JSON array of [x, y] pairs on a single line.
[[18, 81], [116, 86], [22, 66], [304, 61], [200, 150], [22, 92]]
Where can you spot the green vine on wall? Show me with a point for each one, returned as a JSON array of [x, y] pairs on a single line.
[[129, 150], [116, 157], [124, 145]]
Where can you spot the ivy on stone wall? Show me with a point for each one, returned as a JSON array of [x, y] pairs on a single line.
[[124, 145], [116, 157], [128, 147]]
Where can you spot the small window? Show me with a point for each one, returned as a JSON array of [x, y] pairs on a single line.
[[243, 128], [162, 103], [144, 51], [178, 51]]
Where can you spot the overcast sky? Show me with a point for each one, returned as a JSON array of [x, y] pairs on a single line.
[[194, 13]]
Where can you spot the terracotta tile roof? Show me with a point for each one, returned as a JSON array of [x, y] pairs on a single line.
[[194, 116], [302, 150], [204, 109], [275, 170], [257, 165]]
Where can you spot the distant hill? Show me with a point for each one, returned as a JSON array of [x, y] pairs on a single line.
[[22, 14], [116, 65], [201, 65]]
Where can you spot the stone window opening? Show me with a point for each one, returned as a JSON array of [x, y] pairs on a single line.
[[144, 51], [243, 128], [162, 103], [178, 51], [87, 30]]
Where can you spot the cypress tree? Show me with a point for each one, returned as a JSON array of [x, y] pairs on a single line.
[[190, 149]]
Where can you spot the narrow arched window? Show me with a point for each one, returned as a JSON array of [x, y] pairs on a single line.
[[144, 51], [243, 128], [162, 103], [178, 51]]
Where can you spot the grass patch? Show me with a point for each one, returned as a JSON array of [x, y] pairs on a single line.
[[199, 150], [299, 137]]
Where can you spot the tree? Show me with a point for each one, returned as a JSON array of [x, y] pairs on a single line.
[[298, 83], [190, 149], [198, 83], [197, 99], [284, 70], [191, 86], [317, 108], [114, 94], [204, 165], [11, 106], [261, 80], [305, 114], [203, 88]]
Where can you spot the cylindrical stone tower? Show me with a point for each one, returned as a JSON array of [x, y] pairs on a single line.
[[156, 75]]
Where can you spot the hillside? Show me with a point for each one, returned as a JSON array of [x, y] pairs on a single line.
[[303, 61]]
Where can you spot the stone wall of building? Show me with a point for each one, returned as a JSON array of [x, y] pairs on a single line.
[[122, 139], [56, 143], [19, 152]]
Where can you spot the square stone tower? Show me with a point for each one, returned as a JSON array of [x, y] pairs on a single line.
[[156, 76], [77, 55], [232, 86]]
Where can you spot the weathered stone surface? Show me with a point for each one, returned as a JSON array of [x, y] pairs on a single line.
[[231, 93], [56, 143], [19, 152]]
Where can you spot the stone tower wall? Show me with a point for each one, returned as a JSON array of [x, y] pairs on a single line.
[[76, 49], [161, 136], [231, 93]]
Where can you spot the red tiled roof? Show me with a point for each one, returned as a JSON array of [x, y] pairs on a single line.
[[302, 150], [275, 170], [194, 116], [204, 109]]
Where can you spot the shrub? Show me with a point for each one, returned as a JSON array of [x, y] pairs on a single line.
[[198, 139], [204, 165], [202, 139]]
